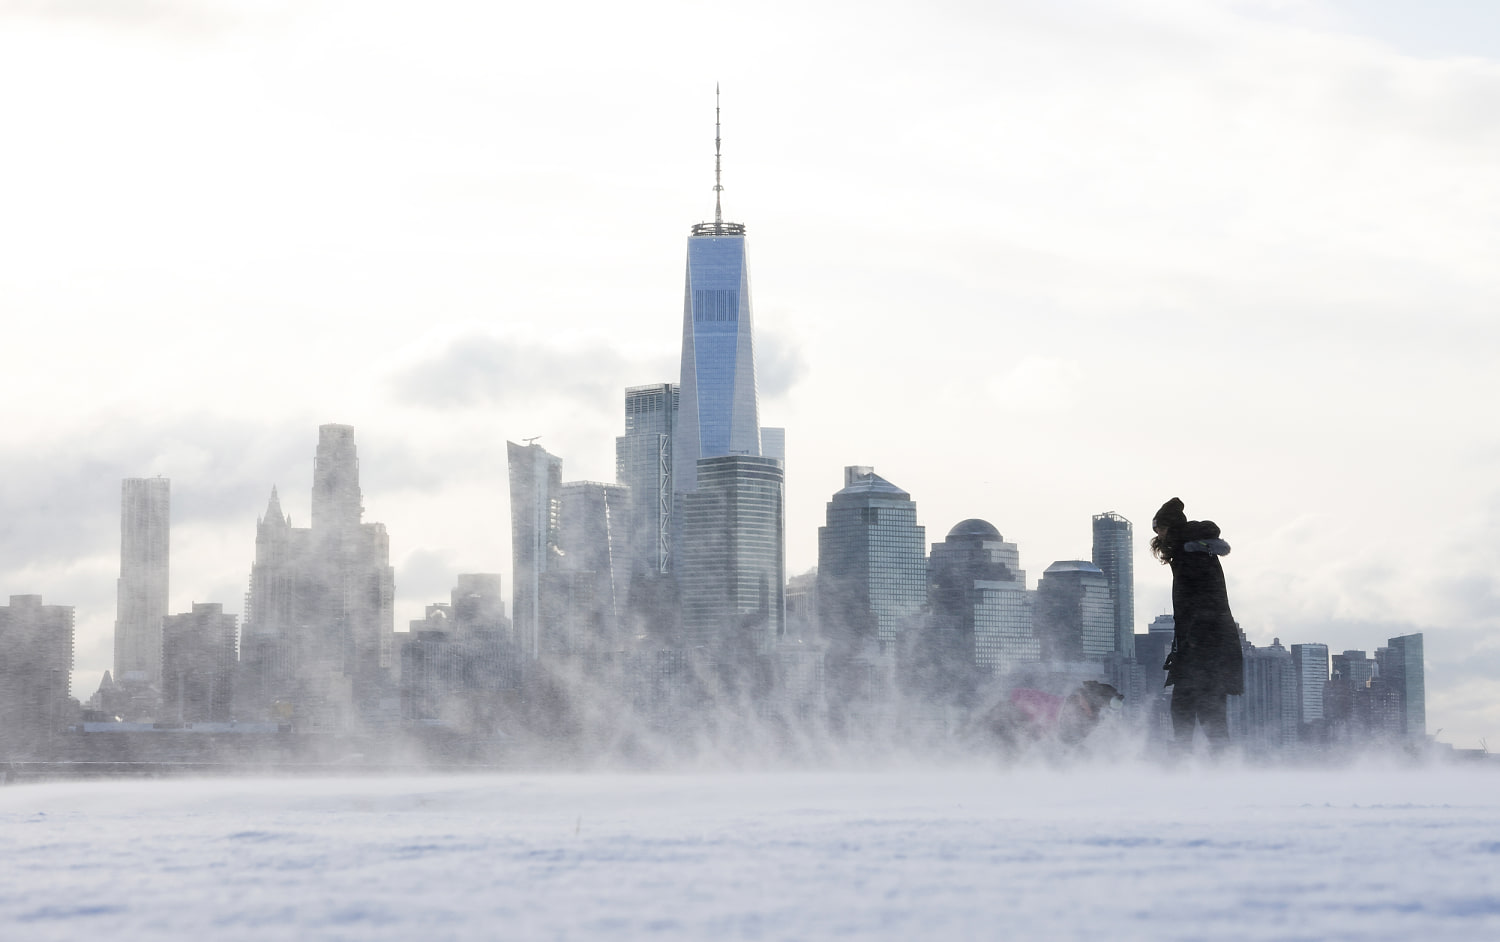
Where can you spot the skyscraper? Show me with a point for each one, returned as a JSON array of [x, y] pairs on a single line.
[[1074, 617], [141, 593], [584, 592], [718, 413], [1402, 668], [733, 570], [1355, 668], [1269, 707], [980, 621], [535, 492], [1113, 549], [1311, 664], [319, 632], [643, 463], [872, 564]]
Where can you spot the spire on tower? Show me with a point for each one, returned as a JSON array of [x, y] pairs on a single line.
[[718, 227], [718, 186]]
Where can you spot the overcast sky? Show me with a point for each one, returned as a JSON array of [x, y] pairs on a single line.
[[1032, 261]]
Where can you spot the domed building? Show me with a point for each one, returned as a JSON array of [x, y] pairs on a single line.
[[980, 622]]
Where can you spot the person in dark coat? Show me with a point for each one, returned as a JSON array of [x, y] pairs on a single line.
[[1207, 663]]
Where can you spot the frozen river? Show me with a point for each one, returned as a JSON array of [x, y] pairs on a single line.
[[1087, 853]]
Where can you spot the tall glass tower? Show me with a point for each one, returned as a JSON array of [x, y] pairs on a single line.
[[872, 563], [733, 568], [643, 462], [535, 492], [1113, 554], [718, 411]]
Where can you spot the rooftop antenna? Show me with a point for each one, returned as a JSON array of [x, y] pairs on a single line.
[[718, 227], [532, 440], [718, 187]]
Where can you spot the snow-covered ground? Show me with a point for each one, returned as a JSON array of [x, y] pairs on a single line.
[[1091, 852]]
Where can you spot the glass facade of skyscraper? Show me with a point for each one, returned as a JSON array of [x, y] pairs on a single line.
[[1113, 554], [1074, 617], [535, 492], [733, 572], [718, 412], [981, 614], [643, 463], [1311, 663], [1403, 669], [872, 564]]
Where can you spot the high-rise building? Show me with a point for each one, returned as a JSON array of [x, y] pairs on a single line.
[[1268, 709], [1113, 554], [198, 658], [1074, 616], [980, 612], [718, 414], [141, 593], [36, 670], [1402, 669], [1311, 664], [872, 564], [1355, 667], [319, 634], [535, 494], [643, 463], [585, 588], [733, 568], [773, 443]]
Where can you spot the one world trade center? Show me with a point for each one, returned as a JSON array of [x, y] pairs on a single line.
[[717, 412]]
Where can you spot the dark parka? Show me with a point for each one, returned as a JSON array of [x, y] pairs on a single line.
[[1206, 654]]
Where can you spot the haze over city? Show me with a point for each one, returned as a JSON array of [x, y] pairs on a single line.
[[1031, 264]]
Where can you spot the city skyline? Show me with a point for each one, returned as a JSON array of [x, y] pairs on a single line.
[[974, 273]]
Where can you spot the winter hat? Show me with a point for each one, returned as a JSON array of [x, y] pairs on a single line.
[[1170, 515]]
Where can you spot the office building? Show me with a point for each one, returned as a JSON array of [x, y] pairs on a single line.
[[979, 624], [733, 572], [1311, 663], [773, 443], [1074, 613], [1401, 668], [718, 412], [317, 649], [477, 605], [36, 669], [643, 463], [872, 565], [1114, 549], [459, 659], [1355, 668], [1268, 711], [141, 593], [198, 660], [535, 497], [584, 589]]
